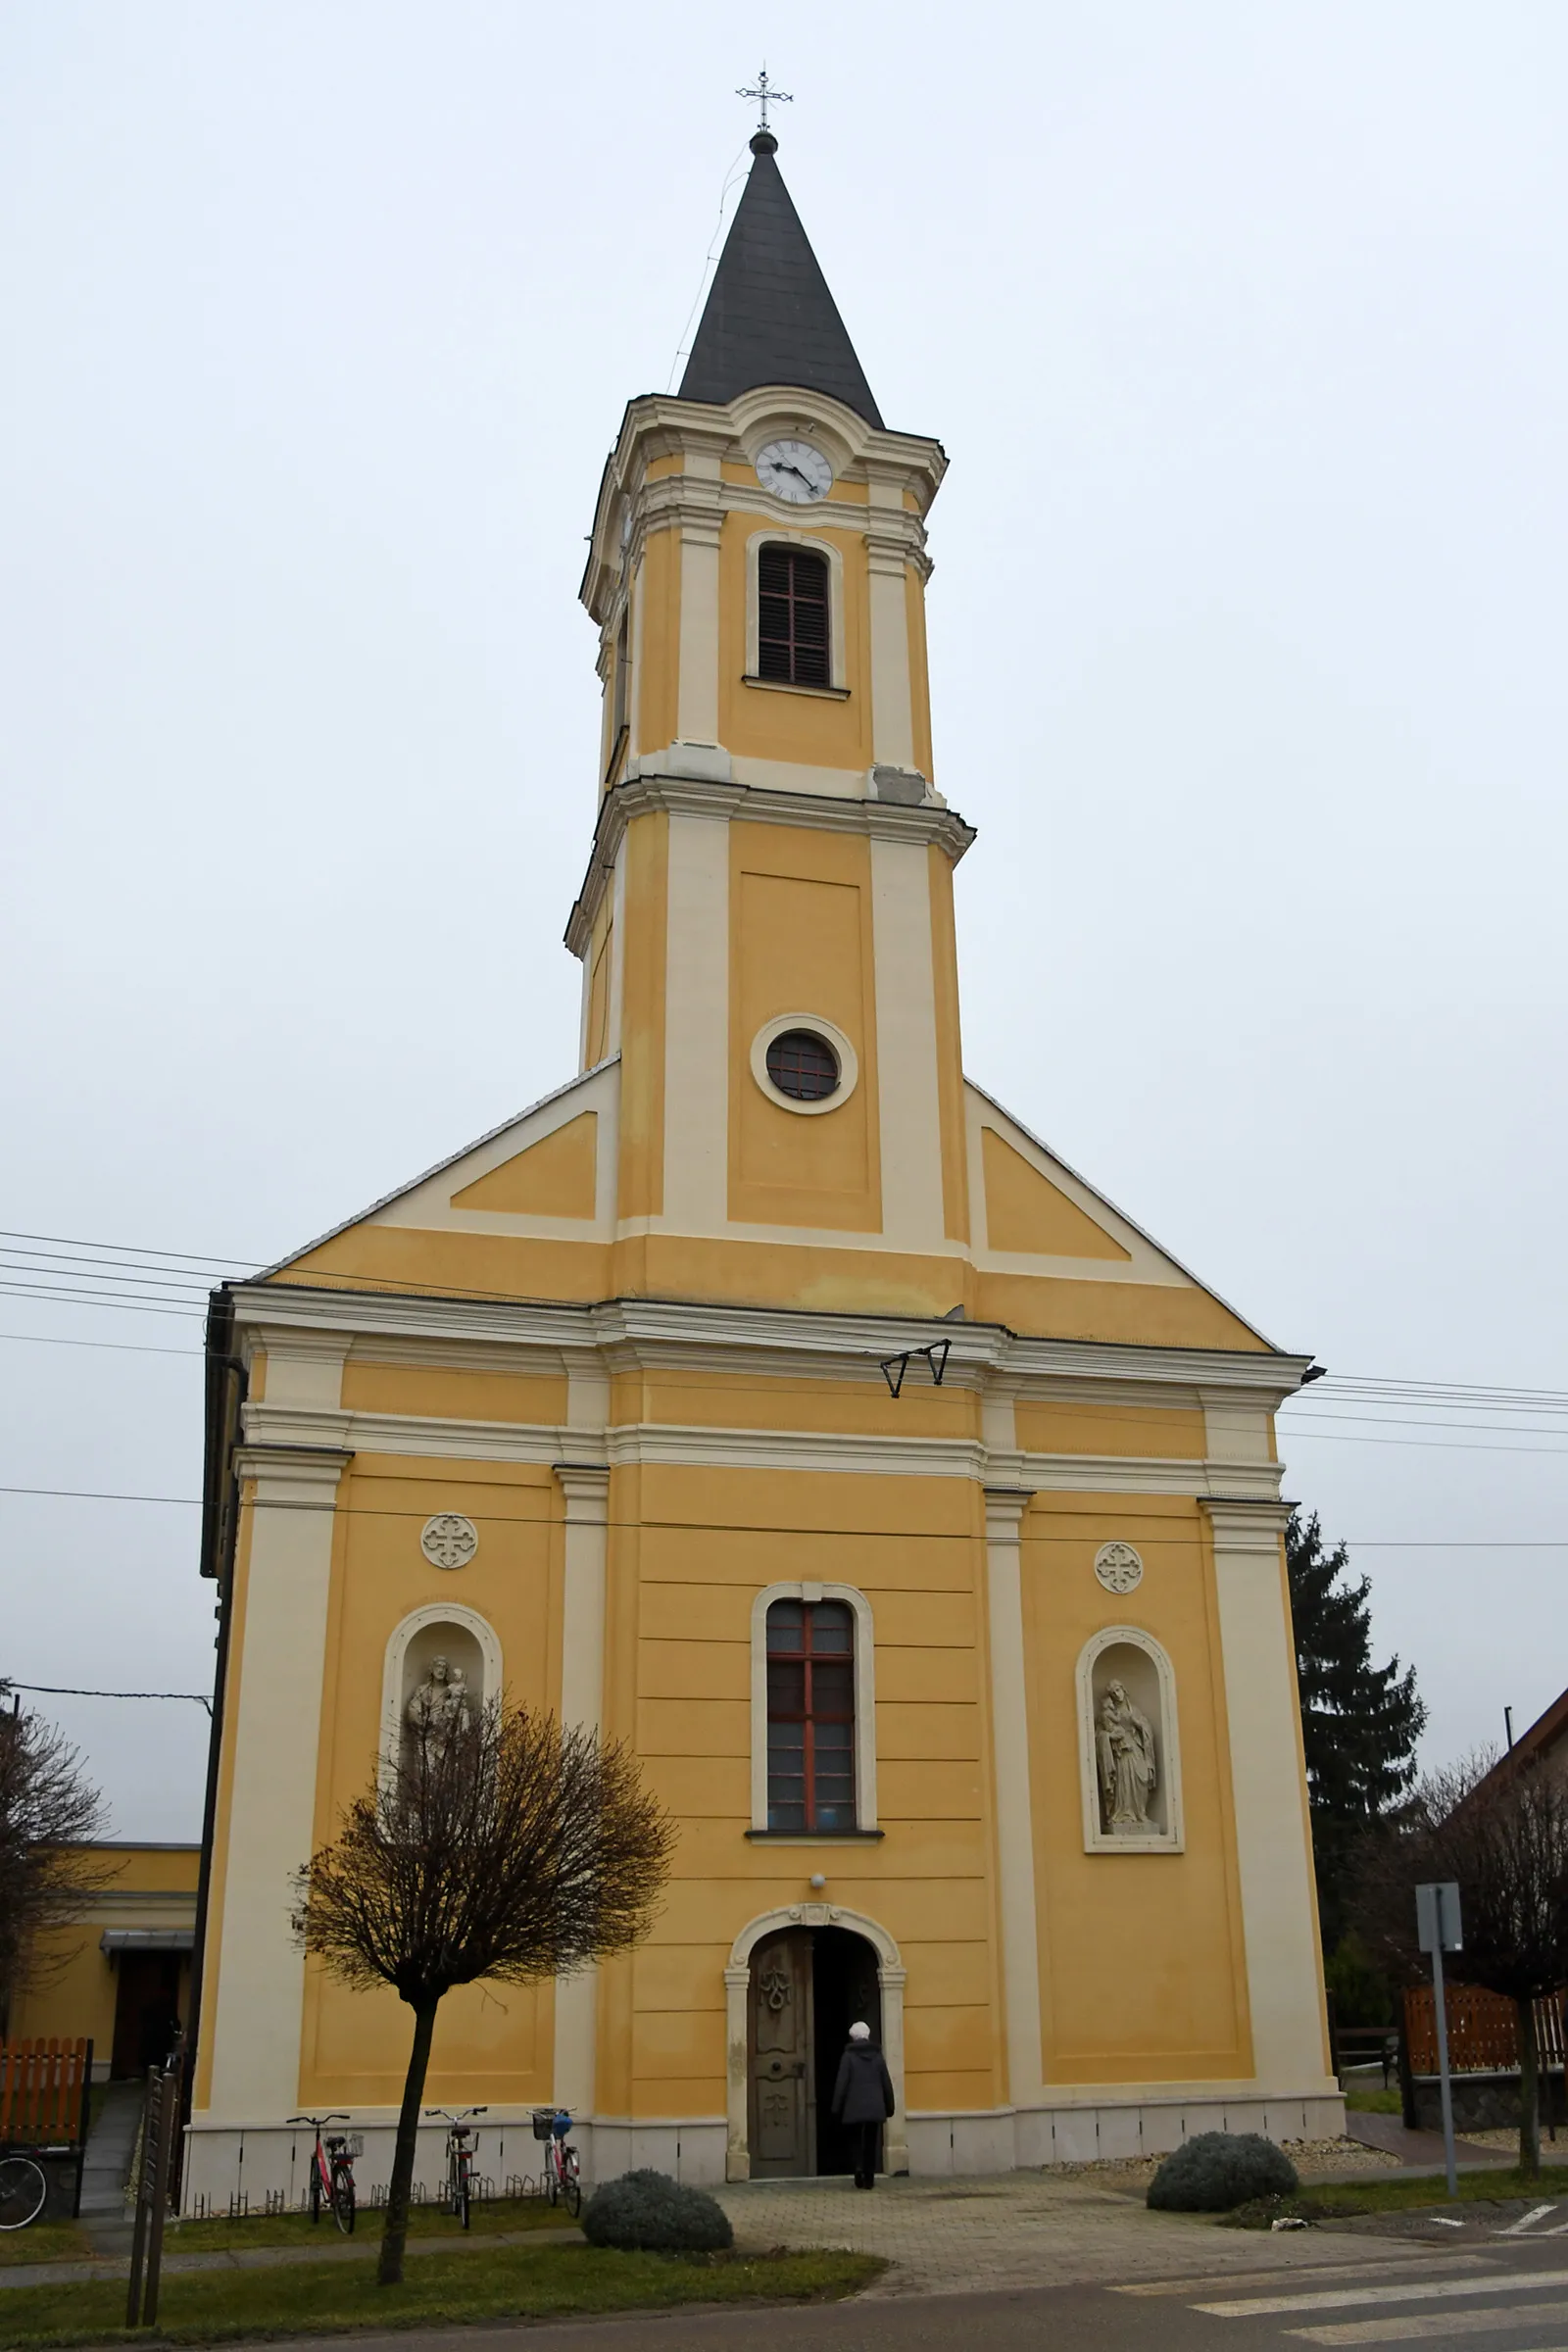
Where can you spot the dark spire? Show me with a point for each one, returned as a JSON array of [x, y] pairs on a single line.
[[770, 318]]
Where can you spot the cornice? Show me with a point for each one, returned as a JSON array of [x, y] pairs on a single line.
[[701, 796], [628, 1333], [657, 424], [1235, 1494]]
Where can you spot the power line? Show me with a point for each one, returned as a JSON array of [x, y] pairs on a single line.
[[716, 1527], [40, 1338], [69, 1690], [68, 1241]]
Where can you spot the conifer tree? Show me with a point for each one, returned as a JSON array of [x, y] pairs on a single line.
[[1359, 1722]]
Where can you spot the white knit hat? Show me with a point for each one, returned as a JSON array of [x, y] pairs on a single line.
[[859, 2033]]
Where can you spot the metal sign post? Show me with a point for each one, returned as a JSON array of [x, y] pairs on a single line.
[[1438, 1930]]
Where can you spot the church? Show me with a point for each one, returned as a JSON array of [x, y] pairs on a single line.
[[772, 1398]]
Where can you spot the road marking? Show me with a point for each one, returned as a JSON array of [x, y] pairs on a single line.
[[1422, 2258], [1423, 2291], [1430, 2324], [1537, 2213]]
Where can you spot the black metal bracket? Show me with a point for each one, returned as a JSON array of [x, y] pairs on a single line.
[[893, 1367]]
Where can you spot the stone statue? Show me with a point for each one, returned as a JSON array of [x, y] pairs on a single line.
[[1124, 1741], [441, 1704]]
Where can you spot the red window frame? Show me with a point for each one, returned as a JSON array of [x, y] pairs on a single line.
[[826, 1701]]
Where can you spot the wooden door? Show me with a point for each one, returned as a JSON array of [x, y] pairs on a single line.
[[782, 2098]]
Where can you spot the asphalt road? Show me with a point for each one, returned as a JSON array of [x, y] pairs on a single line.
[[1505, 2296]]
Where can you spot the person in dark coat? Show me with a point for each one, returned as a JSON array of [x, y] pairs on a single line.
[[862, 2099]]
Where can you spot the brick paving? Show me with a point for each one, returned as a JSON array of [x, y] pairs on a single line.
[[1012, 2230]]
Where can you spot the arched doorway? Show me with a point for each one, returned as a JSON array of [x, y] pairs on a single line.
[[797, 1981]]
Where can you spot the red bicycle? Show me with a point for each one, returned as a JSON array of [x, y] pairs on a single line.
[[562, 2180], [331, 2170]]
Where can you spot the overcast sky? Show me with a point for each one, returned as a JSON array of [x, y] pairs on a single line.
[[1243, 328]]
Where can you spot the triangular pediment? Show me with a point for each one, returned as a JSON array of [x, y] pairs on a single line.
[[552, 1178], [546, 1173]]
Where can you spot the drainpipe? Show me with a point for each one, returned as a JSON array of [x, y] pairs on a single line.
[[225, 1400]]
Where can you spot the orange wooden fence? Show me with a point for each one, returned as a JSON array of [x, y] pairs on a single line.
[[43, 2093], [1482, 2030]]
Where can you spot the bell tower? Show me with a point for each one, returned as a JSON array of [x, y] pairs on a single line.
[[767, 925]]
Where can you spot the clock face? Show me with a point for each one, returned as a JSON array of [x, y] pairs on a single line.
[[795, 471]]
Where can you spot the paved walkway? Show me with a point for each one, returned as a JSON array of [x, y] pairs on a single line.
[[1417, 2149], [1008, 2231]]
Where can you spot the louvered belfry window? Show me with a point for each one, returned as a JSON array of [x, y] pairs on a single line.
[[811, 1715], [792, 639]]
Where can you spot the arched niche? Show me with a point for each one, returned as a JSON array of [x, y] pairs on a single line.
[[443, 1629], [1126, 1724]]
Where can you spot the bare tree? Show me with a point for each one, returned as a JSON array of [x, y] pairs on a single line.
[[49, 1812], [1501, 1830], [495, 1846]]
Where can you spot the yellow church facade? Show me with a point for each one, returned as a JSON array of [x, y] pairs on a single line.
[[772, 1398]]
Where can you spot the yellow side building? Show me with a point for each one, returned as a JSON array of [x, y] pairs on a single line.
[[118, 1972], [773, 1399]]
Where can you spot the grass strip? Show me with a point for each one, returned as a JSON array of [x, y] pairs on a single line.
[[298, 2230], [44, 2241], [501, 2282], [1343, 2200]]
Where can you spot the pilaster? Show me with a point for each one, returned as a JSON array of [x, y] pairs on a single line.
[[697, 1012], [1268, 1793], [258, 1996], [586, 1489], [907, 1045], [1015, 1847]]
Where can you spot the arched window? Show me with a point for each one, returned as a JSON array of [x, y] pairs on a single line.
[[811, 1715], [793, 641]]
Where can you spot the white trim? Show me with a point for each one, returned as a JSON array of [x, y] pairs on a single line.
[[586, 1491], [864, 1694], [665, 779], [1169, 1840], [253, 2007], [1009, 1264], [848, 1061], [435, 1612], [1273, 1838], [363, 1216], [891, 1975], [1006, 1508], [663, 1330], [696, 988], [907, 1052], [775, 536], [692, 1446]]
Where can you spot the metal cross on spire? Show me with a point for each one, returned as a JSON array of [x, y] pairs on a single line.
[[765, 93]]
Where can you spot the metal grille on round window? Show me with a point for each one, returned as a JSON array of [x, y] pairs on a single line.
[[792, 642], [803, 1066]]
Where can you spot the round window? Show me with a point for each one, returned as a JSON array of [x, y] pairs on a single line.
[[803, 1066]]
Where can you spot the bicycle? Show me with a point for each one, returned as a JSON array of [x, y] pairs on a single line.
[[562, 2180], [23, 2191], [331, 2170], [459, 2159]]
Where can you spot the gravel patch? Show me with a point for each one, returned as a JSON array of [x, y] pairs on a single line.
[[1314, 2159], [1551, 2151]]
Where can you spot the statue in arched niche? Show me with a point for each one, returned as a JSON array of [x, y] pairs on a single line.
[[1129, 1773], [441, 1705]]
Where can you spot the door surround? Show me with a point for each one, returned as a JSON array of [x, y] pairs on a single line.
[[891, 1974]]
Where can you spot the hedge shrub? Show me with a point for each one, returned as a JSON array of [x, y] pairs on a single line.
[[1219, 2170], [649, 2213]]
